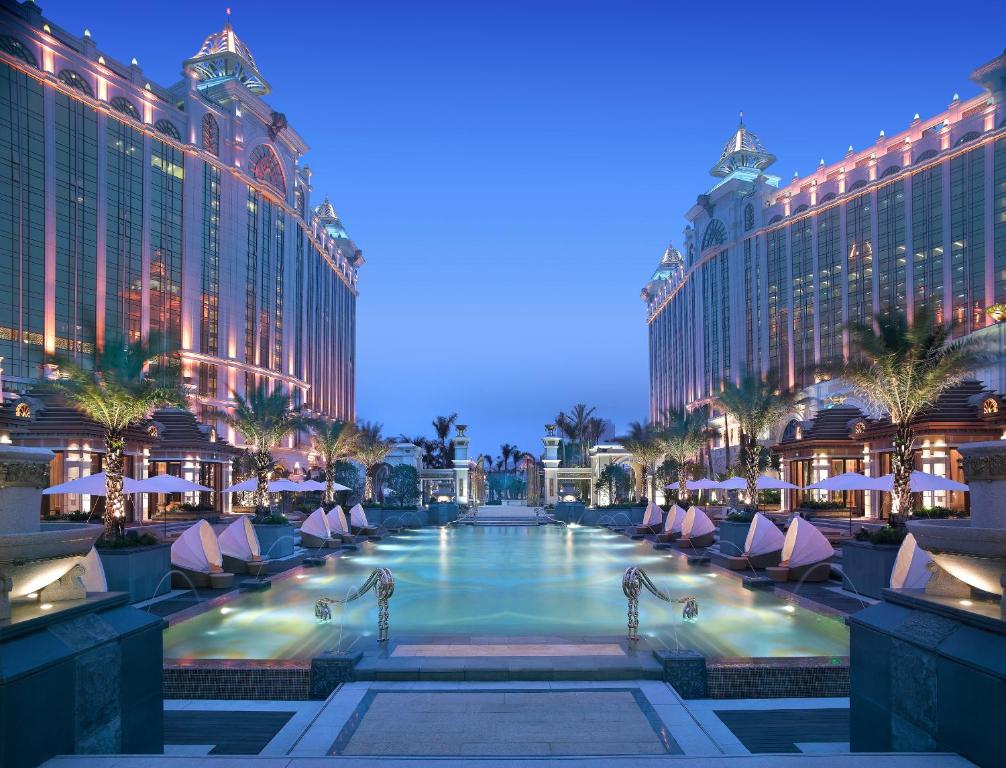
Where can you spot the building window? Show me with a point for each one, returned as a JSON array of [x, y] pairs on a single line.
[[298, 201], [927, 241], [124, 231], [989, 407], [748, 217], [211, 135], [168, 129], [75, 81], [890, 171], [210, 295], [967, 240], [967, 138], [166, 243], [715, 234], [17, 49], [265, 166], [891, 250], [125, 106], [22, 411]]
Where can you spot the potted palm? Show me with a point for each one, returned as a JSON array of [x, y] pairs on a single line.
[[128, 382], [900, 368], [264, 419], [643, 441]]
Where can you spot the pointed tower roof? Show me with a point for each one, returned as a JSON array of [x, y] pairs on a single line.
[[671, 264], [743, 150], [327, 217], [223, 56]]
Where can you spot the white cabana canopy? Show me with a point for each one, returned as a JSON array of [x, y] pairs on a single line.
[[675, 519], [922, 482], [92, 485], [357, 517], [197, 549], [847, 481], [94, 572], [169, 484], [763, 537], [239, 540], [804, 545], [653, 516], [911, 568], [316, 524], [337, 520], [696, 523]]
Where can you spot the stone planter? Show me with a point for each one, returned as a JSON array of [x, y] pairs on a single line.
[[866, 567], [620, 516], [732, 538], [138, 571], [275, 541], [570, 512]]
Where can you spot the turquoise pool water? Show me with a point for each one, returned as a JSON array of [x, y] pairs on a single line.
[[507, 581]]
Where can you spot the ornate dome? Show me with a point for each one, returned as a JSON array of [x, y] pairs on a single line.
[[743, 150], [223, 56], [327, 217], [671, 264]]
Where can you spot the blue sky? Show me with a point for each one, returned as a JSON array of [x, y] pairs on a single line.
[[513, 170]]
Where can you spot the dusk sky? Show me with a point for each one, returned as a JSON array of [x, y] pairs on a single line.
[[514, 170]]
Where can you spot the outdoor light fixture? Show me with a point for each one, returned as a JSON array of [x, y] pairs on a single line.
[[997, 312]]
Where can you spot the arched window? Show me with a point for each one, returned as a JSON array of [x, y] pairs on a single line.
[[168, 129], [22, 411], [828, 197], [74, 80], [792, 431], [970, 136], [926, 155], [775, 219], [857, 185], [265, 166], [801, 209], [17, 49], [298, 201], [125, 106], [748, 217], [715, 234], [211, 134], [890, 170]]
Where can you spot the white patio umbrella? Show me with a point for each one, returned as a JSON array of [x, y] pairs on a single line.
[[847, 481], [922, 482], [169, 484], [92, 485], [275, 486], [315, 485], [699, 485], [764, 483]]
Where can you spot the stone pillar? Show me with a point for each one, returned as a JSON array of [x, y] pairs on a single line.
[[551, 462]]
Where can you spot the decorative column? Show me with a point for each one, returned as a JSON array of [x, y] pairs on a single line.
[[551, 462], [460, 462]]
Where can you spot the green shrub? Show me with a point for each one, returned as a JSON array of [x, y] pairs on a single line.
[[403, 480], [272, 519], [740, 516], [885, 535], [816, 504], [131, 539], [937, 513]]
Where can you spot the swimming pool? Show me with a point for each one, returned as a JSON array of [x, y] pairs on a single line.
[[510, 581]]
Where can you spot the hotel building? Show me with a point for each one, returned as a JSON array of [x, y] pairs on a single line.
[[130, 209], [770, 273]]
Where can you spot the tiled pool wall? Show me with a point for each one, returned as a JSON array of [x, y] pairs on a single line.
[[733, 679]]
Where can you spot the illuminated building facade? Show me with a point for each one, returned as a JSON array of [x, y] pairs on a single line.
[[183, 213], [770, 274]]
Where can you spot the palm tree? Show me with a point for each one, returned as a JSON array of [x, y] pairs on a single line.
[[370, 451], [442, 426], [593, 430], [119, 393], [335, 441], [263, 419], [643, 442], [902, 369], [505, 450], [756, 406], [682, 435]]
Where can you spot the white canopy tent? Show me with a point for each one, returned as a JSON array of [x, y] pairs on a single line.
[[653, 516], [92, 485], [675, 519], [337, 521], [911, 568], [316, 525], [358, 517], [197, 549], [169, 484], [239, 540], [804, 545], [696, 523], [763, 537], [94, 572]]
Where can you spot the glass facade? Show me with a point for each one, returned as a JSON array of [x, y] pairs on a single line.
[[778, 303], [891, 261], [22, 223], [967, 240], [209, 314], [860, 259], [927, 240], [124, 231], [829, 285], [802, 256], [165, 290]]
